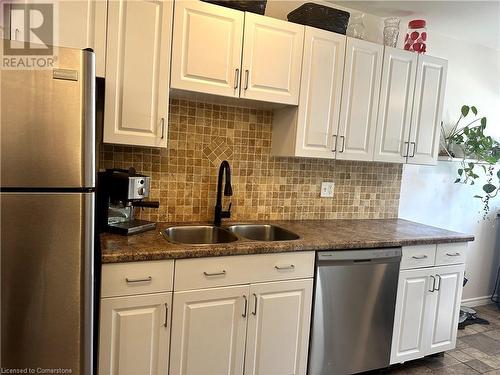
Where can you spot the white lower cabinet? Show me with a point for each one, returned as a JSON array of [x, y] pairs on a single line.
[[212, 327], [278, 327], [134, 337], [427, 307], [253, 328], [209, 329]]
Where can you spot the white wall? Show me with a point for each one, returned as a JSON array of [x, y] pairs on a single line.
[[428, 194]]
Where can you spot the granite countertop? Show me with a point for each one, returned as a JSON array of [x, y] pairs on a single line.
[[314, 235]]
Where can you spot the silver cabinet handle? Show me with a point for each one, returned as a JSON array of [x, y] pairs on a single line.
[[254, 312], [407, 145], [453, 255], [419, 257], [166, 315], [236, 78], [244, 315], [246, 78], [439, 285], [162, 127], [433, 284], [334, 139], [16, 31], [143, 280], [414, 148], [223, 272], [289, 267], [343, 143]]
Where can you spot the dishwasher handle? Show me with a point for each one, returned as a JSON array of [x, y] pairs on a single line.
[[386, 255]]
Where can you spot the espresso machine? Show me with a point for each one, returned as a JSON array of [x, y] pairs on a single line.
[[119, 193]]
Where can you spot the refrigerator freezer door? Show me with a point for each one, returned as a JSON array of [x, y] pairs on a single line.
[[46, 274], [47, 124]]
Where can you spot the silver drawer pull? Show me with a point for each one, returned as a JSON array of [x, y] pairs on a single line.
[[223, 272], [290, 267], [145, 280], [419, 257], [453, 255]]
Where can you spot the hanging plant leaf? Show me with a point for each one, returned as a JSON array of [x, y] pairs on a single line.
[[457, 180], [474, 110], [478, 196], [498, 174], [489, 188], [461, 171], [465, 110], [483, 122]]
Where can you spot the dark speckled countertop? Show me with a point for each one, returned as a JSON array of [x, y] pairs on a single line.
[[314, 235]]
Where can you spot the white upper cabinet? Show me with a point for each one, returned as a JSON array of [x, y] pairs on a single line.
[[82, 24], [209, 331], [427, 110], [310, 130], [360, 98], [395, 107], [320, 87], [278, 327], [222, 51], [137, 72], [272, 55], [206, 48]]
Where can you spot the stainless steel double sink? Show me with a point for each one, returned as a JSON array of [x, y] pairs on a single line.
[[211, 234]]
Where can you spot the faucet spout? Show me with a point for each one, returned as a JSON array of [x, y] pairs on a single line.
[[228, 191]]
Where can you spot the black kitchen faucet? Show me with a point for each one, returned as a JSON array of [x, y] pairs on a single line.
[[228, 191]]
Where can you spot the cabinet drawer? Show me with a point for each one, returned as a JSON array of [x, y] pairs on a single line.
[[243, 269], [451, 253], [122, 279], [418, 256]]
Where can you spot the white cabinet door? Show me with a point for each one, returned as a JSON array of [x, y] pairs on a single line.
[[427, 110], [395, 107], [320, 88], [82, 24], [272, 57], [360, 96], [448, 294], [206, 48], [134, 335], [137, 72], [278, 327], [413, 316], [208, 331]]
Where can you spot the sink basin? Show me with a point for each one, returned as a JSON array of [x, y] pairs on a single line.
[[199, 234], [263, 232]]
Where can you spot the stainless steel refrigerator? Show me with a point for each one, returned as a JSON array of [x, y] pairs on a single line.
[[47, 162]]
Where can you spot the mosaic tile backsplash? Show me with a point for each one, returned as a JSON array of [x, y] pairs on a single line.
[[201, 135]]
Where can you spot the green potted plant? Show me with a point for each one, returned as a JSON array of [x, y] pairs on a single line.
[[479, 153]]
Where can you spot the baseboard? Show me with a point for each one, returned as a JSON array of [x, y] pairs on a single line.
[[477, 301]]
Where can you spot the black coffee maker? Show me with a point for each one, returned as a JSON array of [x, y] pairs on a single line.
[[119, 192]]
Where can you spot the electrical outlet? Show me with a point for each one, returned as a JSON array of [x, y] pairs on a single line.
[[327, 189]]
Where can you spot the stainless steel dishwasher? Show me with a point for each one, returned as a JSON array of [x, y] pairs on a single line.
[[353, 315]]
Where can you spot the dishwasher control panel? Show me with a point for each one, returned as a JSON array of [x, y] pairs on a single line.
[[361, 254]]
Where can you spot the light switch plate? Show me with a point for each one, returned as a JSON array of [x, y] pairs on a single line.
[[327, 189]]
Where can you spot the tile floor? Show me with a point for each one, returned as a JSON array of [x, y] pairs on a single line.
[[477, 351]]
